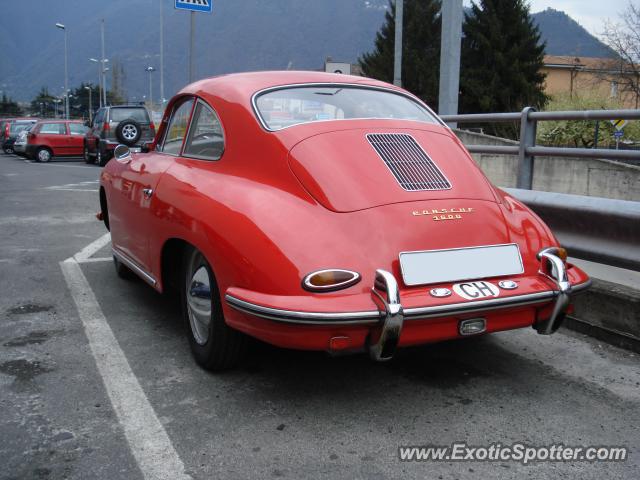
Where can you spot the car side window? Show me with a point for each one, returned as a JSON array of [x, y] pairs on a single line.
[[98, 119], [206, 139], [77, 129], [53, 128], [177, 128]]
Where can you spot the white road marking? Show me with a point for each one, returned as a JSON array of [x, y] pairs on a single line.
[[147, 438], [71, 189], [88, 251], [57, 165], [97, 260]]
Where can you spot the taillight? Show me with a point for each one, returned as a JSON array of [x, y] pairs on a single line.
[[105, 126], [152, 126]]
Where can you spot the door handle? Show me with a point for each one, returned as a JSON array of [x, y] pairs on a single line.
[[147, 192]]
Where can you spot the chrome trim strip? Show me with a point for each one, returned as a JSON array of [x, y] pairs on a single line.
[[368, 317], [403, 93], [299, 317], [136, 269], [478, 305]]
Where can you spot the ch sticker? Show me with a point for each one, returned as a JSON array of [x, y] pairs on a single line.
[[476, 290]]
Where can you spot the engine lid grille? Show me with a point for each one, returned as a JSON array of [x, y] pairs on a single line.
[[413, 168]]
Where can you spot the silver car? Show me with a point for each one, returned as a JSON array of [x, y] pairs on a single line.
[[20, 145]]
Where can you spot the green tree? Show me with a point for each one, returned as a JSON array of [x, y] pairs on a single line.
[[502, 57], [43, 104], [8, 107], [420, 49]]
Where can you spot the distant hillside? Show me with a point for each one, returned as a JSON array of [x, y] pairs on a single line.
[[240, 35], [565, 36]]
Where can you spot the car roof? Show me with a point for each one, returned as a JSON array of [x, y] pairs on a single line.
[[242, 86]]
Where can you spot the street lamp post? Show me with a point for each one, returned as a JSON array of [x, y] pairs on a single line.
[[66, 75], [150, 70], [88, 87], [103, 60], [100, 85]]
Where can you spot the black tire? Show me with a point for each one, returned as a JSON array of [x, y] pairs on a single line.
[[8, 150], [128, 132], [43, 155], [122, 270], [102, 156], [223, 348], [85, 154]]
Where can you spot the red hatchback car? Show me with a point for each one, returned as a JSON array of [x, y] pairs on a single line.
[[55, 138], [326, 212]]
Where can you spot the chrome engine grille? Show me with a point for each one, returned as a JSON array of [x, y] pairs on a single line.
[[408, 162]]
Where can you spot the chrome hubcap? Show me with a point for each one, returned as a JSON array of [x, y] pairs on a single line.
[[199, 304], [43, 156], [129, 132]]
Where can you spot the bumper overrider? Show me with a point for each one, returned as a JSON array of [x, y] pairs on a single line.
[[390, 314]]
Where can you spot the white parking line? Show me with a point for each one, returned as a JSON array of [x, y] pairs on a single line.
[[147, 438], [88, 251]]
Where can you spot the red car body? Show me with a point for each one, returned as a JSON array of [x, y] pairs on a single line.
[[55, 138], [280, 204]]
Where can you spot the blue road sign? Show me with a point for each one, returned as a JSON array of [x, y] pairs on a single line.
[[195, 5], [618, 134]]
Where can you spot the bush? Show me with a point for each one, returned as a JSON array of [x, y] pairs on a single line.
[[581, 133]]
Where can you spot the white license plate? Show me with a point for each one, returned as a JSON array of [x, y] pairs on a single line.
[[439, 266]]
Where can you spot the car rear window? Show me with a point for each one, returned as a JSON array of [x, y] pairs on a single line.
[[290, 106], [137, 114], [18, 127]]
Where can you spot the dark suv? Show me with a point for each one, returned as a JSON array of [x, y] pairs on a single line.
[[126, 124]]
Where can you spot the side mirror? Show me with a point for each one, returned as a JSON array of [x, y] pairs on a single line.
[[145, 148], [122, 154]]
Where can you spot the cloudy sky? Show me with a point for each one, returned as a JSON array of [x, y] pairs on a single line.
[[591, 14]]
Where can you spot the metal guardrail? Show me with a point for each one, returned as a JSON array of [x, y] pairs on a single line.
[[597, 229], [527, 149]]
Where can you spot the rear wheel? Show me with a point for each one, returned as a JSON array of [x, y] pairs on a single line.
[[102, 156], [214, 344], [85, 154], [43, 155], [8, 150]]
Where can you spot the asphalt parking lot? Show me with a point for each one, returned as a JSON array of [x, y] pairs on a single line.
[[282, 413]]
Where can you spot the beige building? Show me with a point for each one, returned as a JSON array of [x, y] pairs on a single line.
[[601, 76]]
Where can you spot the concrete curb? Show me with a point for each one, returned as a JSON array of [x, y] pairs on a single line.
[[610, 312]]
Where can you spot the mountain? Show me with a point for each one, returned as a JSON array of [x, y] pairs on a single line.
[[240, 35], [565, 36]]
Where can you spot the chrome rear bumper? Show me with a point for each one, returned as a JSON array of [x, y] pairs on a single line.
[[390, 315]]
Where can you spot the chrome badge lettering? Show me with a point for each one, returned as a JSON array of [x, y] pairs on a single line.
[[443, 214]]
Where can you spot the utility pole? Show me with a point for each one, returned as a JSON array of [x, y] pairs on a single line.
[[191, 34], [150, 70], [66, 72], [88, 87], [397, 57], [450, 46], [161, 56], [97, 62], [102, 70]]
